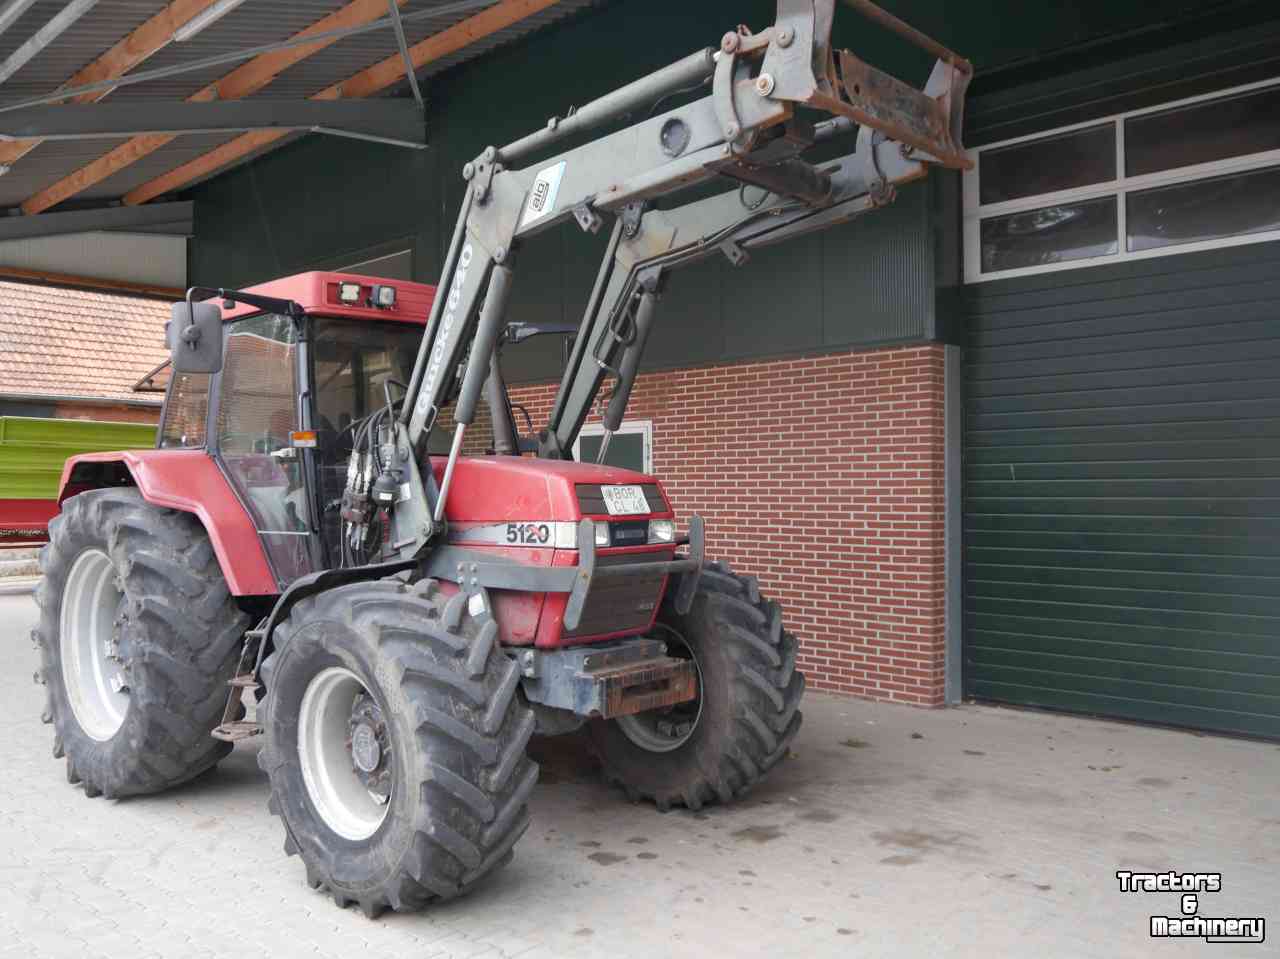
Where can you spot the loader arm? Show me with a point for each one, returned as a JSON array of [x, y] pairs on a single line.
[[615, 331], [752, 129]]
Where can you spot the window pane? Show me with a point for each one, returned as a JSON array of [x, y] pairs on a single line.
[[626, 450], [185, 412], [1051, 234], [1214, 130], [1204, 210], [257, 409], [1044, 166]]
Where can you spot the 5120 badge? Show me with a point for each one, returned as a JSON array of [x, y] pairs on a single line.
[[529, 534]]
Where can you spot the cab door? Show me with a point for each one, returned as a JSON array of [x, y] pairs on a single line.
[[258, 410]]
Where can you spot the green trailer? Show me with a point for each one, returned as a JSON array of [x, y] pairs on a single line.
[[32, 451]]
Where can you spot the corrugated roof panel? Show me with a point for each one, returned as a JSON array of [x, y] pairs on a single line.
[[354, 54], [48, 163], [252, 24], [82, 43], [166, 158]]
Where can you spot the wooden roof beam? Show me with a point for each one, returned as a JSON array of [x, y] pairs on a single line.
[[363, 84], [243, 81]]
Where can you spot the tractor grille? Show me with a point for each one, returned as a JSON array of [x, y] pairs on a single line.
[[627, 602], [591, 502]]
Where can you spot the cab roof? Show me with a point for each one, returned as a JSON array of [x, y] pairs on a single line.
[[317, 292]]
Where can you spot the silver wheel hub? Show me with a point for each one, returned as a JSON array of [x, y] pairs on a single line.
[[369, 748], [345, 753], [365, 751], [89, 637], [667, 729]]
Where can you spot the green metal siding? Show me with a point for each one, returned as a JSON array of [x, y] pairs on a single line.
[[32, 451], [1122, 491], [1209, 50]]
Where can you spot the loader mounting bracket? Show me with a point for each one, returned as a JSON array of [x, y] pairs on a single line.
[[314, 583]]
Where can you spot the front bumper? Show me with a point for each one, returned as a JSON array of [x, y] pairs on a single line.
[[473, 569]]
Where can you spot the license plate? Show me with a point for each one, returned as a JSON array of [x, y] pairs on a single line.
[[624, 500]]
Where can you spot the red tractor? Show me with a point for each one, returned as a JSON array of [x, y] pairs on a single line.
[[405, 621]]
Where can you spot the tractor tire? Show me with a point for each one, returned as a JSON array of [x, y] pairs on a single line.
[[395, 743], [746, 715], [132, 594]]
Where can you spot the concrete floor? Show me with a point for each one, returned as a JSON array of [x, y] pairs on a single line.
[[891, 831]]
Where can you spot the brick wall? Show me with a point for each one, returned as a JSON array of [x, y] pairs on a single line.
[[823, 476]]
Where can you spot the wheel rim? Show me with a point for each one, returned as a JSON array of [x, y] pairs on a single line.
[[90, 646], [336, 789], [667, 729]]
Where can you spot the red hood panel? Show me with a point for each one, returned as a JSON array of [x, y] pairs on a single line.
[[511, 488]]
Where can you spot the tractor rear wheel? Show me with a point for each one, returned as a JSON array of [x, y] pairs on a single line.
[[719, 745], [395, 743], [138, 636]]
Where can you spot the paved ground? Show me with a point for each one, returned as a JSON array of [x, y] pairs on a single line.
[[965, 832]]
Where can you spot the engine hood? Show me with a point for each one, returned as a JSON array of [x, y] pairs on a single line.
[[497, 489]]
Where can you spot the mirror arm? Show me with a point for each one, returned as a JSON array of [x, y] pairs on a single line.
[[272, 304]]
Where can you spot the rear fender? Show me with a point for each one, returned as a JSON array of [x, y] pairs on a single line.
[[190, 481]]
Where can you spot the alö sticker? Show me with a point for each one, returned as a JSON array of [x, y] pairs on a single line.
[[542, 196]]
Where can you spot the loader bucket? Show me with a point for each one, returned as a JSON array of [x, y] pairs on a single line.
[[837, 82]]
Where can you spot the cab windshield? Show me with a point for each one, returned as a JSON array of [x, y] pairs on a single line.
[[353, 361]]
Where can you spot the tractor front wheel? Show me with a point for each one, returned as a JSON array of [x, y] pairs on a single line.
[[395, 743], [138, 636], [746, 714]]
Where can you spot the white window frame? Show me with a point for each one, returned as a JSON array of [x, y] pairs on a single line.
[[1120, 187], [643, 427]]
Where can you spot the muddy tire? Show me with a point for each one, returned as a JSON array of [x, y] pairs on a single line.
[[395, 743], [747, 712], [138, 636]]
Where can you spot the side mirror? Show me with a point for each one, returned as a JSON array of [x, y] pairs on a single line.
[[194, 331]]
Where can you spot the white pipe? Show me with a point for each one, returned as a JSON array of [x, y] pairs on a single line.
[[454, 450], [10, 14], [69, 14], [604, 447], [205, 18]]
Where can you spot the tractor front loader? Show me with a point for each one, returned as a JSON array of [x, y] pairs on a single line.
[[401, 621]]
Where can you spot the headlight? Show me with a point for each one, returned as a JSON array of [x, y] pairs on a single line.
[[602, 534], [662, 531]]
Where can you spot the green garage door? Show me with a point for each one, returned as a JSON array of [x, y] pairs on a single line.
[[1122, 491]]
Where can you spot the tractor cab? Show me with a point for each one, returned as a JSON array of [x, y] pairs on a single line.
[[282, 413]]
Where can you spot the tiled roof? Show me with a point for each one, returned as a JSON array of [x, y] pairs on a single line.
[[69, 342]]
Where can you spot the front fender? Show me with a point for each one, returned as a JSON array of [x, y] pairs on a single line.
[[190, 481]]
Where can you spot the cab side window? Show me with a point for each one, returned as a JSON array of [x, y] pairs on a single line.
[[186, 410]]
